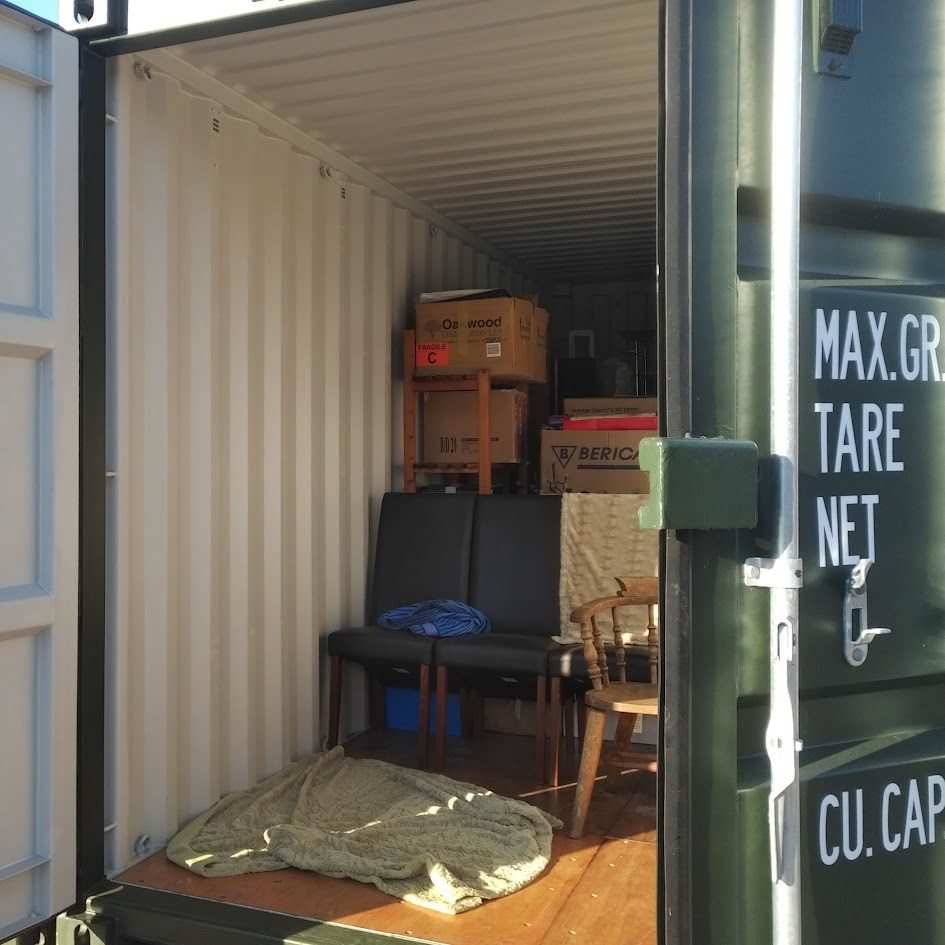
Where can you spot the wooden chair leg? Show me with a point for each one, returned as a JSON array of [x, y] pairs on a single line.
[[554, 728], [541, 728], [590, 759], [582, 720], [625, 725], [442, 694], [378, 712], [478, 716], [465, 713], [423, 716], [334, 701]]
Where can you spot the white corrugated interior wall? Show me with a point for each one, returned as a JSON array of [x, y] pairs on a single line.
[[255, 311]]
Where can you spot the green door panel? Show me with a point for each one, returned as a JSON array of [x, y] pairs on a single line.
[[871, 477], [873, 848], [871, 483], [875, 136]]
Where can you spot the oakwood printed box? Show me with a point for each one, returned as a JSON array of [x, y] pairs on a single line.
[[605, 461], [507, 336]]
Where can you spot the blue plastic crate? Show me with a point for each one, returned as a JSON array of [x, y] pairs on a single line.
[[402, 706]]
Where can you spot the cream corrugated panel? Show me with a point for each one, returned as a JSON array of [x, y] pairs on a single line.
[[532, 124], [255, 395]]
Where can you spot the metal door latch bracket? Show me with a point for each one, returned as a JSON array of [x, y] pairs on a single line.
[[774, 572], [85, 928], [856, 638]]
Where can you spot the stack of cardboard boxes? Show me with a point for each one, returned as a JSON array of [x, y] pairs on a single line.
[[589, 450], [509, 337], [594, 457]]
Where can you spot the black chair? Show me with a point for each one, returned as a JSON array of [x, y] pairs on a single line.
[[514, 577], [423, 551]]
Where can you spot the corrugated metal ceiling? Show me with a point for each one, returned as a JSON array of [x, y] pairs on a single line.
[[532, 123]]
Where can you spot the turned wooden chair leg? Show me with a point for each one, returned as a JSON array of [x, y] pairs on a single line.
[[334, 701], [541, 728], [423, 716], [590, 759], [554, 728], [442, 694]]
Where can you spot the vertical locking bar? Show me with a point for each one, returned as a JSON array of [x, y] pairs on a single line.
[[782, 740]]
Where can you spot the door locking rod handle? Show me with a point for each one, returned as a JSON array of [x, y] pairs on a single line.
[[856, 637]]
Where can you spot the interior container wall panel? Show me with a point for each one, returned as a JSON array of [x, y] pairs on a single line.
[[256, 307]]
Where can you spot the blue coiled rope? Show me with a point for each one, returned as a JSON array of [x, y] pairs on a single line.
[[436, 618]]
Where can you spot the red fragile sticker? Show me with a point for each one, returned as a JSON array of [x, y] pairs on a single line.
[[435, 353]]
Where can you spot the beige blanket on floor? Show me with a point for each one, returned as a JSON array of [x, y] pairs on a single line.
[[422, 837], [601, 540]]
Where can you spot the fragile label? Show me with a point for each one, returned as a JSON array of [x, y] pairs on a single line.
[[434, 353], [494, 349]]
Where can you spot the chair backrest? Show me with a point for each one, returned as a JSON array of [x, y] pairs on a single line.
[[633, 591], [422, 553], [516, 563]]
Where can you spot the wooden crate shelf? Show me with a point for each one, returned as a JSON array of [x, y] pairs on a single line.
[[480, 382]]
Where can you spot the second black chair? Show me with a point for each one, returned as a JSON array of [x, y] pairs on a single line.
[[514, 577]]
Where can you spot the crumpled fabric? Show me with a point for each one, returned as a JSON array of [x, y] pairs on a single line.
[[425, 838], [436, 618]]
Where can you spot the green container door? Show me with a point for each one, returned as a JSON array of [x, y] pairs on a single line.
[[872, 481]]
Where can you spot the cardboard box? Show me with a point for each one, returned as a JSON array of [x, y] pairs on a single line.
[[609, 406], [508, 336], [592, 461], [540, 345], [450, 433]]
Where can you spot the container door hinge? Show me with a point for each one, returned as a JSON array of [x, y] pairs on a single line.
[[774, 572], [86, 929]]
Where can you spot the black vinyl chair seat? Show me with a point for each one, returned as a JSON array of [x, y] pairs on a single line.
[[368, 645], [499, 653]]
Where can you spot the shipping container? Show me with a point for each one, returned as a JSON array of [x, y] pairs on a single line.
[[217, 221]]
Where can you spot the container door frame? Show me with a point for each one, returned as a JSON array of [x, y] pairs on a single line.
[[39, 325], [697, 202], [681, 194]]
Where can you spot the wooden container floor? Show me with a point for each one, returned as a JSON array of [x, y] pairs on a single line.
[[600, 889]]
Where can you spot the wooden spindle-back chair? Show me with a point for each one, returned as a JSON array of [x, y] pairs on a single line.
[[629, 699]]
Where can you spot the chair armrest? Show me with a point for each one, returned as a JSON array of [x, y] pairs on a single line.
[[635, 592]]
